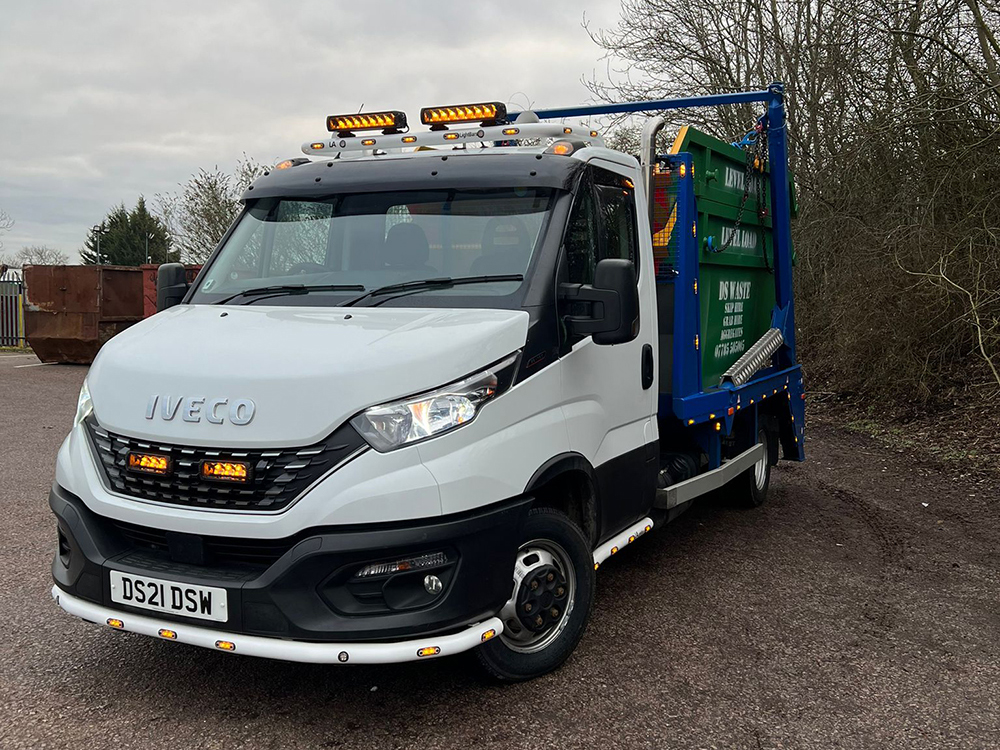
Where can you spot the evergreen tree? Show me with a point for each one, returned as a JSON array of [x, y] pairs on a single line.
[[125, 236]]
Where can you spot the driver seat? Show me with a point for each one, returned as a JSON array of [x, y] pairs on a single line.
[[406, 248], [506, 247]]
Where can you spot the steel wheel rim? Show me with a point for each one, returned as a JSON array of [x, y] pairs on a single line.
[[760, 468], [518, 638]]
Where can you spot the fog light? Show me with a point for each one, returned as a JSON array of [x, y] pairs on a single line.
[[433, 585]]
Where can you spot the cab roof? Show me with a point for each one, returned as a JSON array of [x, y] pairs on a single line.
[[463, 168]]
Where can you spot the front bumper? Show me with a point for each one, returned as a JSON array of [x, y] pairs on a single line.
[[300, 590], [276, 648]]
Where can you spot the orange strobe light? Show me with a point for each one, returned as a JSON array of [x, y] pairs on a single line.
[[483, 112], [148, 463], [391, 121], [227, 471]]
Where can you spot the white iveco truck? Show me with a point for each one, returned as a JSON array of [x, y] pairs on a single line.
[[427, 383]]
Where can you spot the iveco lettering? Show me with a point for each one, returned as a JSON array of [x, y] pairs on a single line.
[[193, 409], [431, 380]]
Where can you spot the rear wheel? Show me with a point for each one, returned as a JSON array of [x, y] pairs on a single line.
[[548, 612], [752, 484]]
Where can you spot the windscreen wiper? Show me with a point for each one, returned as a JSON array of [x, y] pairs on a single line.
[[279, 289], [438, 283]]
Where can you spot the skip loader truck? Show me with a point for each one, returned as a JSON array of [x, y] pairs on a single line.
[[430, 381]]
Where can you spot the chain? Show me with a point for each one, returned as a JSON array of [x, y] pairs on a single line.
[[761, 196], [753, 178]]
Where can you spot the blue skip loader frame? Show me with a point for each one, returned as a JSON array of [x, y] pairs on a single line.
[[710, 414]]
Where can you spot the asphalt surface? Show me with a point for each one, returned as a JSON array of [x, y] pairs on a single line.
[[844, 613]]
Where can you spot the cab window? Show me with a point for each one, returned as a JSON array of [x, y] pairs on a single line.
[[602, 224]]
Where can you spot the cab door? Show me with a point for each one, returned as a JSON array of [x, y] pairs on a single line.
[[609, 394]]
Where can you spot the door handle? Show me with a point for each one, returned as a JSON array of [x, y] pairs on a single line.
[[647, 366]]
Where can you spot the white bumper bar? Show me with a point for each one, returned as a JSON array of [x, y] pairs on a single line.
[[276, 648]]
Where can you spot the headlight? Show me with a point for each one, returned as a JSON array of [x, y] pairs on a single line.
[[411, 420], [84, 406]]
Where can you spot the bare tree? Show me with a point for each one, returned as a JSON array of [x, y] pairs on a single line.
[[199, 215], [39, 255], [894, 133], [6, 224]]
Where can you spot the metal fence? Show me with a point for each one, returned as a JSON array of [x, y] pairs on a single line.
[[12, 309]]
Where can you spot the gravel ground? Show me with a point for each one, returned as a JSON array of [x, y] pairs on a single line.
[[857, 609]]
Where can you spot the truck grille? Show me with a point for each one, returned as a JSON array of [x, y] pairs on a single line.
[[277, 478]]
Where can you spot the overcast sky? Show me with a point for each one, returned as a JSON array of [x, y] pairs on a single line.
[[101, 102]]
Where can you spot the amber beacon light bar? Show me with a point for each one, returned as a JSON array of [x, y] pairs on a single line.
[[488, 113], [486, 122], [388, 122]]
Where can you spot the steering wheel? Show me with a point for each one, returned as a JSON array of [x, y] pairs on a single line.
[[307, 267]]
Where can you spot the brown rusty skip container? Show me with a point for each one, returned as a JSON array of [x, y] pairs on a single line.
[[70, 311]]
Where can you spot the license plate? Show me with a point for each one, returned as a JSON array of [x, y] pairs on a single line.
[[203, 602]]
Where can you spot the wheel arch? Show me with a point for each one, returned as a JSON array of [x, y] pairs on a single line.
[[568, 482]]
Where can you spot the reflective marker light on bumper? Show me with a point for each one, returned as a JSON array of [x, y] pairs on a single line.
[[429, 651], [225, 645]]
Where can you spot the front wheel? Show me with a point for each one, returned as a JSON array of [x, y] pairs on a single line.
[[548, 612]]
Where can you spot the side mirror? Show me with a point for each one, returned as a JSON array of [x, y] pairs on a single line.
[[171, 285], [613, 300]]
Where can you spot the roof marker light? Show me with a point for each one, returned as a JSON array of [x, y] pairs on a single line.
[[317, 146], [511, 131], [564, 148], [410, 139], [368, 142], [567, 131]]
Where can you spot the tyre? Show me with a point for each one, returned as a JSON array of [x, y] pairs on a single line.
[[751, 486], [550, 607]]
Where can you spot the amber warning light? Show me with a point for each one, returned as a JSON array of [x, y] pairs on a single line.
[[148, 463], [391, 122], [225, 471], [486, 112]]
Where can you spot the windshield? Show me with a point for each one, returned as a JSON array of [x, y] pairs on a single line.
[[371, 240]]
